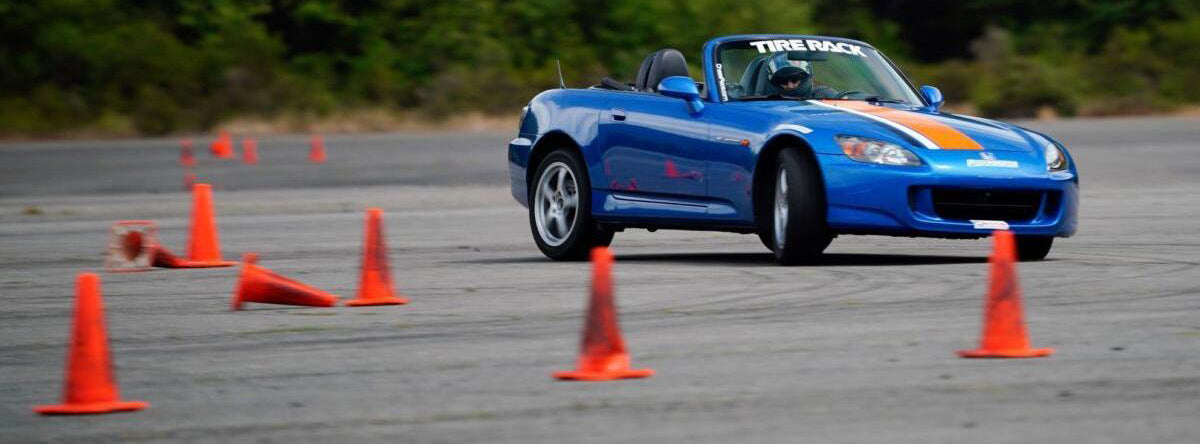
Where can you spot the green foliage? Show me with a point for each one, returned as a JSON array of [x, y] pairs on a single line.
[[155, 67]]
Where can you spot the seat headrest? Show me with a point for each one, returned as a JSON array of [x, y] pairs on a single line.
[[644, 72], [662, 64]]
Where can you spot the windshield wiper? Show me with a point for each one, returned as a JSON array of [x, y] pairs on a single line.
[[775, 96], [877, 99]]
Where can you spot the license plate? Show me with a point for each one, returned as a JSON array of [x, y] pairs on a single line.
[[989, 224]]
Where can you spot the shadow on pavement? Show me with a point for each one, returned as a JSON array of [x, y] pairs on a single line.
[[765, 259]]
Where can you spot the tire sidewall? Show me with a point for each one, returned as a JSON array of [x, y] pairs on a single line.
[[578, 244], [806, 234]]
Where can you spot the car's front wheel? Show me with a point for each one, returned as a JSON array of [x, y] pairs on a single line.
[[796, 230], [1033, 248], [560, 208]]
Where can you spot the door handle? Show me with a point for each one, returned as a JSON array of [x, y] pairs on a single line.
[[618, 115]]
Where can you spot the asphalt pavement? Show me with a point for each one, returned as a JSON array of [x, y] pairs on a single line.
[[859, 348]]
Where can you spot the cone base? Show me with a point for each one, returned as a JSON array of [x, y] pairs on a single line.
[[91, 408], [1017, 353], [585, 375], [376, 301]]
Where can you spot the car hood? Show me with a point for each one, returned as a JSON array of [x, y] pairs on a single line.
[[917, 126]]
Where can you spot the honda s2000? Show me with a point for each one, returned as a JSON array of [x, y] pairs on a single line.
[[796, 138]]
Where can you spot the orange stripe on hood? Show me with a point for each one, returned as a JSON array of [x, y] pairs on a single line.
[[944, 136]]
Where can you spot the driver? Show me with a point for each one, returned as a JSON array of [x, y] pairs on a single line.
[[793, 78]]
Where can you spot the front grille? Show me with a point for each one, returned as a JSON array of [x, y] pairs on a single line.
[[965, 204]]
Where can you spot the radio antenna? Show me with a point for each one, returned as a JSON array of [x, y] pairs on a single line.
[[561, 83]]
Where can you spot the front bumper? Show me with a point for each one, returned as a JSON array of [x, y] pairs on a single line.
[[912, 201], [518, 166]]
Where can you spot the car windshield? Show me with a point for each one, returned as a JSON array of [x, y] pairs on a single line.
[[808, 68]]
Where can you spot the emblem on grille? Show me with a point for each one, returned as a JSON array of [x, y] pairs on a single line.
[[987, 156]]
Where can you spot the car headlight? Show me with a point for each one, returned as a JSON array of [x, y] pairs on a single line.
[[867, 150], [1056, 160]]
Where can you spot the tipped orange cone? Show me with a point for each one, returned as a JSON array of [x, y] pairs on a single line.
[[1004, 333], [249, 151], [161, 257], [602, 352], [375, 285], [258, 284], [186, 158], [130, 246], [90, 386], [316, 152], [203, 247]]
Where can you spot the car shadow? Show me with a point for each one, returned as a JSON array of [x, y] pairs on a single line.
[[829, 259], [763, 259]]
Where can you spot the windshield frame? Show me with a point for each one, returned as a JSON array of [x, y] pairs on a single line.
[[714, 77]]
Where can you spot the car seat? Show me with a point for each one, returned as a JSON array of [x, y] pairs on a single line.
[[658, 66]]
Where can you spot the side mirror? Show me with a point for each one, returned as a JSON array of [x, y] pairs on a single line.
[[933, 96], [684, 88]]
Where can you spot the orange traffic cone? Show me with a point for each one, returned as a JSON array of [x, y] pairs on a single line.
[[316, 152], [258, 284], [1004, 333], [222, 147], [203, 247], [249, 151], [163, 258], [189, 181], [375, 285], [602, 352], [226, 146], [90, 386], [186, 158], [130, 246]]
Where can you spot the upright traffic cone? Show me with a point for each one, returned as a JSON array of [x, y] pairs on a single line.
[[249, 151], [189, 181], [90, 386], [225, 145], [375, 284], [1004, 333], [186, 158], [258, 284], [602, 352], [203, 246], [316, 151]]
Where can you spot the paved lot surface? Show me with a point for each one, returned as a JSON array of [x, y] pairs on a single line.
[[857, 349]]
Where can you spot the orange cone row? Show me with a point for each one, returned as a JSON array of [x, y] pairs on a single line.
[[223, 148], [91, 387]]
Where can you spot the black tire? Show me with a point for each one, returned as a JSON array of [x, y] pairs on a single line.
[[1033, 248], [805, 232], [584, 234]]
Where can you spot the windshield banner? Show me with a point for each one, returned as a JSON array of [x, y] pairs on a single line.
[[765, 46]]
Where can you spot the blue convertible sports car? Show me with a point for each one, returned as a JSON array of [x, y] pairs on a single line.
[[796, 138]]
